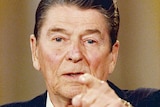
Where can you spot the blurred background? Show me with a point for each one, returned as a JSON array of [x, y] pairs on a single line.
[[139, 58]]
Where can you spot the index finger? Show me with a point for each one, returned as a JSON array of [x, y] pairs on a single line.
[[90, 81]]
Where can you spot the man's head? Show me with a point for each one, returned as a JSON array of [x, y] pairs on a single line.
[[73, 38]]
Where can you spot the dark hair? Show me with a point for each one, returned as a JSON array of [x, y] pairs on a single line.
[[106, 7]]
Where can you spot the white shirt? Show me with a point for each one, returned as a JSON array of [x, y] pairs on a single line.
[[49, 103]]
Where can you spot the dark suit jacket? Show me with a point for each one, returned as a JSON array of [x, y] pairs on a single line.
[[143, 97], [152, 100]]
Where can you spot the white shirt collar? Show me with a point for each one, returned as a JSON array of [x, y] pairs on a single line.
[[49, 103]]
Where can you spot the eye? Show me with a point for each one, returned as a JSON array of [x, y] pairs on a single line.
[[58, 39], [90, 41]]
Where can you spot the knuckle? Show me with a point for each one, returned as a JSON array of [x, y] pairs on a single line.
[[85, 102]]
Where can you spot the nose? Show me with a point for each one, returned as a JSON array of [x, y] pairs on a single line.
[[74, 53]]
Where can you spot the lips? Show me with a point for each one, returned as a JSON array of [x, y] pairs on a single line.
[[73, 74]]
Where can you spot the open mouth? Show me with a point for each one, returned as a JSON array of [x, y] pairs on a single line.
[[74, 75]]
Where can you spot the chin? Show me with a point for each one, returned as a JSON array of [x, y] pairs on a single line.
[[70, 92]]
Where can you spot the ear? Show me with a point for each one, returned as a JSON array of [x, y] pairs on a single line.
[[34, 51], [114, 56]]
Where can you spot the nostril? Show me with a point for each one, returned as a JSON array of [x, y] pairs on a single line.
[[74, 56], [74, 59], [70, 59]]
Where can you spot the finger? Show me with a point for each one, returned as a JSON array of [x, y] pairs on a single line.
[[76, 101], [89, 93], [104, 101], [90, 81], [89, 98], [86, 99]]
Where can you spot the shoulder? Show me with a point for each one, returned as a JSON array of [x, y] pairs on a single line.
[[143, 96], [152, 100], [39, 101]]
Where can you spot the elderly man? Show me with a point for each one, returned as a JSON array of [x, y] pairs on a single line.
[[75, 47]]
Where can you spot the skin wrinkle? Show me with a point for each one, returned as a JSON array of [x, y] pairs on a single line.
[[103, 12], [54, 61], [56, 84], [84, 57]]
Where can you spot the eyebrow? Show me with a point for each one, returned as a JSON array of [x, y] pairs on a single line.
[[85, 32], [57, 29], [91, 31]]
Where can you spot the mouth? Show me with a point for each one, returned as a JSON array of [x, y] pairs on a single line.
[[73, 75]]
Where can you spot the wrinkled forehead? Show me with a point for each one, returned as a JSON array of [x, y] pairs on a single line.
[[65, 11], [74, 17], [103, 6]]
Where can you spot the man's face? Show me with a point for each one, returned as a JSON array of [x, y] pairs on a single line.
[[72, 42]]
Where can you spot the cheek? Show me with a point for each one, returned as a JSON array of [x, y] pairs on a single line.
[[99, 65], [49, 62], [49, 57]]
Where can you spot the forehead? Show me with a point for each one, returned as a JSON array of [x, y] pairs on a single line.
[[62, 15]]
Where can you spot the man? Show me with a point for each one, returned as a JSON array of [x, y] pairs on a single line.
[[75, 47]]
